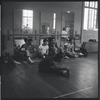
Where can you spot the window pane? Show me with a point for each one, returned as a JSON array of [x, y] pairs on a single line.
[[96, 4], [90, 15], [97, 24], [86, 4], [24, 22], [54, 23], [30, 22], [30, 13], [27, 18], [85, 18], [54, 20], [24, 12], [95, 17], [91, 4], [97, 20], [90, 18]]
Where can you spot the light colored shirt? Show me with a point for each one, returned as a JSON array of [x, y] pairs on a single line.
[[43, 49], [64, 32], [70, 47]]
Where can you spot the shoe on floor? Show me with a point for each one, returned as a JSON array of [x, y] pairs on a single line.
[[66, 57], [43, 56], [65, 73]]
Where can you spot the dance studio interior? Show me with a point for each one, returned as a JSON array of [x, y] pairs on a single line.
[[49, 49], [0, 50]]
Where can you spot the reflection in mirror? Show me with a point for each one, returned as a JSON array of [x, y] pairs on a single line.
[[27, 21], [0, 30], [67, 26], [68, 23], [23, 21], [23, 26], [48, 23], [0, 52]]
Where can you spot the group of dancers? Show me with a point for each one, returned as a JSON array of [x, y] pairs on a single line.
[[52, 56]]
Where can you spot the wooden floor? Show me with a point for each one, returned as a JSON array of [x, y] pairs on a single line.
[[24, 81], [0, 87]]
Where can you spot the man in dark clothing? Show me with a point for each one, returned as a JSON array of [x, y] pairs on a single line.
[[53, 47], [83, 49], [54, 65]]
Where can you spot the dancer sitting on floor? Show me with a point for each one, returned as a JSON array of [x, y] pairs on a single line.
[[22, 50], [65, 44], [9, 60], [83, 49], [54, 65], [53, 47], [70, 49], [27, 50], [19, 55], [24, 46], [31, 51], [44, 49]]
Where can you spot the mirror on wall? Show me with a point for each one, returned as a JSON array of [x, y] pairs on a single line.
[[23, 21], [0, 30], [67, 25], [23, 25], [48, 23], [68, 22]]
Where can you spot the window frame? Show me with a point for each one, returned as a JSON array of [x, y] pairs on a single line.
[[54, 21], [27, 18], [94, 28]]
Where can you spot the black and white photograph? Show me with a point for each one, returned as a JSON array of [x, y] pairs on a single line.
[[0, 51], [49, 50]]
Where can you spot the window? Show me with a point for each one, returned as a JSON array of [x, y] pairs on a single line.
[[90, 15], [54, 21], [27, 19]]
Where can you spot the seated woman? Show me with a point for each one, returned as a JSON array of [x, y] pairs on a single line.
[[24, 46], [22, 50], [10, 60], [65, 33], [70, 49], [30, 51], [27, 50], [18, 54], [44, 49], [54, 65], [64, 47], [53, 47], [83, 49]]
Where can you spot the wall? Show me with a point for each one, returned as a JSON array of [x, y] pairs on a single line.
[[17, 21], [86, 35], [38, 7], [0, 30]]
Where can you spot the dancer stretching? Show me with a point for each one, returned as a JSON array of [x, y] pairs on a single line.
[[54, 65]]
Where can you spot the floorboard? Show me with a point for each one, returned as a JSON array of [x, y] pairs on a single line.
[[24, 81]]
